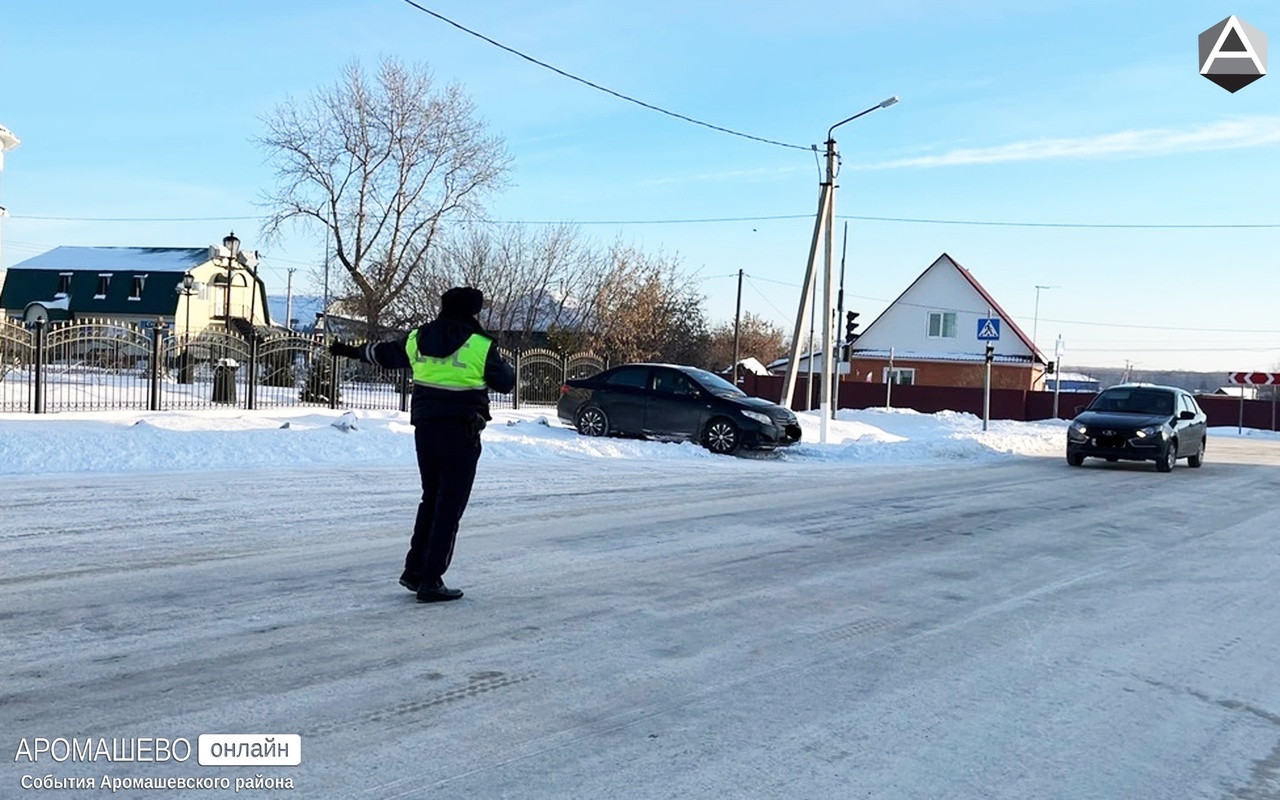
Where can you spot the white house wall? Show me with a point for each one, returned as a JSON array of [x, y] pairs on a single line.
[[904, 326]]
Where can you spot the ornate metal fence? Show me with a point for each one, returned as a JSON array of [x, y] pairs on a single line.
[[97, 365]]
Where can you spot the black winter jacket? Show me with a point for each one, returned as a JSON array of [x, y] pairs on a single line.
[[439, 338]]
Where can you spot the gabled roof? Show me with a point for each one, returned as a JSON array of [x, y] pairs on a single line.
[[995, 307], [108, 259]]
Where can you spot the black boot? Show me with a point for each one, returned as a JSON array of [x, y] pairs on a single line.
[[433, 590], [410, 580]]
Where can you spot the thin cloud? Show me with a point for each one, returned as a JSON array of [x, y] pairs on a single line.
[[1226, 135]]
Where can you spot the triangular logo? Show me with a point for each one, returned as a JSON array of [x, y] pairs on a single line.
[[1233, 43], [1233, 54]]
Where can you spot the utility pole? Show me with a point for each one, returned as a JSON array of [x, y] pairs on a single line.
[[835, 379], [822, 224], [288, 300], [808, 362], [737, 331]]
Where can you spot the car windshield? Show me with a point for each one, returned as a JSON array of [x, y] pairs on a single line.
[[1134, 401], [714, 383]]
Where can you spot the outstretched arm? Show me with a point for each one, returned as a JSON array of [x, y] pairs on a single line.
[[390, 355]]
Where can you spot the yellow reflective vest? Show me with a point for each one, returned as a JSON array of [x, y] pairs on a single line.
[[463, 371]]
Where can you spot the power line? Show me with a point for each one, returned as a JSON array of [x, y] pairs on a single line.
[[604, 89], [765, 297], [1211, 226], [719, 220], [136, 219], [1179, 328]]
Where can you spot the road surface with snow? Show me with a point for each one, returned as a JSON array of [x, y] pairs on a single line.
[[958, 626]]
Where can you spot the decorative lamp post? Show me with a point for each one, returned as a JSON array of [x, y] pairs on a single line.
[[187, 288], [232, 244], [224, 374]]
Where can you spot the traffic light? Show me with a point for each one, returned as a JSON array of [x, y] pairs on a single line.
[[850, 326], [1051, 367]]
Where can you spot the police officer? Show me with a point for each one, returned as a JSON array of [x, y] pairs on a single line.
[[455, 363]]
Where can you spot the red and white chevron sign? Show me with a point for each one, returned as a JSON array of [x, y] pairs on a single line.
[[1254, 378]]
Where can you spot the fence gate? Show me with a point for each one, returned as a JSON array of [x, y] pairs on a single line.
[[583, 365], [206, 371], [17, 367], [91, 365], [539, 376], [292, 370]]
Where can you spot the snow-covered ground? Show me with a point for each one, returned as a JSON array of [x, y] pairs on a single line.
[[916, 609], [178, 441]]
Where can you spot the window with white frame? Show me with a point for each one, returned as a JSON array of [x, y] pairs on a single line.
[[139, 282], [64, 284], [942, 324], [902, 376], [104, 283]]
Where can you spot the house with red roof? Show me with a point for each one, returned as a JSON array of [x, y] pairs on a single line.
[[936, 332]]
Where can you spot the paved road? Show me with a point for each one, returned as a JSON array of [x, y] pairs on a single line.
[[1014, 629]]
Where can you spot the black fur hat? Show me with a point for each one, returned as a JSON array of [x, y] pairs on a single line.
[[461, 301]]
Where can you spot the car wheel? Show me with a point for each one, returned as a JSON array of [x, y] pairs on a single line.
[[1075, 459], [721, 436], [1197, 460], [592, 421], [1169, 457]]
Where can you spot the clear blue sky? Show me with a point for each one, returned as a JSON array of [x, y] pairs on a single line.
[[1074, 112]]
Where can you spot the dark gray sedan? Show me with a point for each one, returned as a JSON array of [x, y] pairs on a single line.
[[668, 401], [1139, 422]]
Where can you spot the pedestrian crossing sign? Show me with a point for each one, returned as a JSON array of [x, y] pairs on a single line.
[[988, 329]]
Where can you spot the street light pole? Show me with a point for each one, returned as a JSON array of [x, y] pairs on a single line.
[[824, 223], [1057, 373], [1035, 325], [828, 279]]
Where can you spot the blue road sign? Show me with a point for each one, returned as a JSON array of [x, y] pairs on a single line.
[[988, 329]]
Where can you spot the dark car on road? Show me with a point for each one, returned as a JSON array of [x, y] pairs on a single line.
[[1139, 422], [667, 401]]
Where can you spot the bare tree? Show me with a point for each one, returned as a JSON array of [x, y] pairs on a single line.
[[380, 166], [533, 278], [642, 308], [758, 338]]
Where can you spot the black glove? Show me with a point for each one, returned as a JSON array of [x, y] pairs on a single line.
[[341, 348]]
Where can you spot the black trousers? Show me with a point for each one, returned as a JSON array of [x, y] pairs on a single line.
[[448, 450]]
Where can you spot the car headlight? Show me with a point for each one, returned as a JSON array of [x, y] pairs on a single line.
[[763, 419], [1076, 427], [1145, 432]]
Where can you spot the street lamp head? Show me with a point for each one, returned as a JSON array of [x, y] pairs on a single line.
[[231, 243], [188, 282], [882, 104]]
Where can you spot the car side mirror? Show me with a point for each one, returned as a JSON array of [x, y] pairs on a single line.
[[1079, 409], [1187, 415]]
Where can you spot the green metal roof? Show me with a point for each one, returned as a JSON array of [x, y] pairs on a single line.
[[158, 295]]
